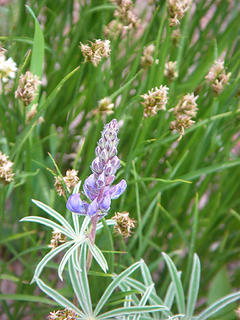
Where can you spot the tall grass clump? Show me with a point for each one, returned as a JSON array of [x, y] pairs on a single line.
[[119, 142]]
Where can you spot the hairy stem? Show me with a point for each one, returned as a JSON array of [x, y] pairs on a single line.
[[92, 236]]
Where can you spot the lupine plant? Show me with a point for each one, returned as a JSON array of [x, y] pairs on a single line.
[[81, 238]]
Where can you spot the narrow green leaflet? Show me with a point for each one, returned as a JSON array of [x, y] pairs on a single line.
[[83, 277], [144, 300], [130, 310], [48, 257], [153, 297], [109, 222], [107, 293], [176, 282], [76, 284], [98, 256], [218, 305], [170, 295], [67, 255], [54, 214], [48, 223], [58, 297], [85, 224], [147, 275], [193, 286]]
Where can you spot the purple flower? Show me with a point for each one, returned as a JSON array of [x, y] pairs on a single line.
[[75, 204], [97, 187]]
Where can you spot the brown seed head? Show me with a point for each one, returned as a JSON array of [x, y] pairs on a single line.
[[65, 314], [70, 180], [177, 9], [147, 57], [171, 70], [124, 224], [95, 51], [155, 100], [57, 239], [217, 76], [27, 87]]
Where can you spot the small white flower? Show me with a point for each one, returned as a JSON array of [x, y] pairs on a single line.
[[8, 68]]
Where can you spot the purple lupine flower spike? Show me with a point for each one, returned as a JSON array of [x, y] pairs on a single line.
[[98, 186]]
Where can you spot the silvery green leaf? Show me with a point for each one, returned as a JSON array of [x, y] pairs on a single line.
[[77, 187], [176, 282], [109, 222], [83, 277], [144, 300], [85, 224], [118, 279], [135, 284], [48, 257], [170, 295], [77, 286], [62, 301], [218, 305], [130, 310], [193, 286], [98, 256], [67, 255], [54, 214], [147, 276], [131, 299], [50, 224]]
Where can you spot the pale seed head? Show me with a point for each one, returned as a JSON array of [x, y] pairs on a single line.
[[124, 224], [155, 100], [6, 174], [27, 87], [217, 76]]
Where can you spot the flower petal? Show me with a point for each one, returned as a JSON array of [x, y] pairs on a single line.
[[118, 189], [89, 187], [75, 204], [106, 202], [92, 208]]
